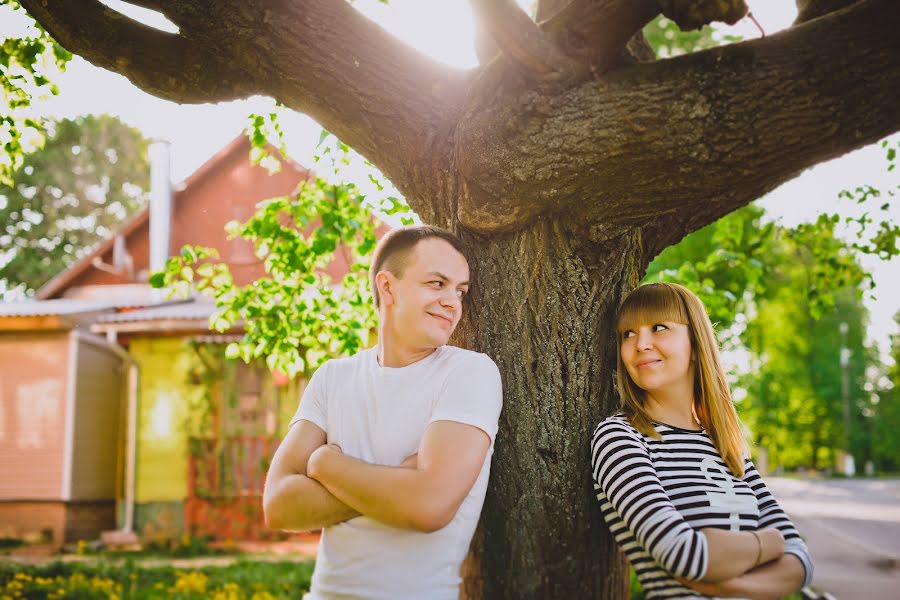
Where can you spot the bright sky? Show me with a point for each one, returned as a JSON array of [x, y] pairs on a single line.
[[443, 29]]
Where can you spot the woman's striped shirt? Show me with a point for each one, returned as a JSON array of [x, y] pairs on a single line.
[[655, 495]]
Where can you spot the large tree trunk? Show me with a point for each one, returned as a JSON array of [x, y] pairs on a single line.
[[543, 307]]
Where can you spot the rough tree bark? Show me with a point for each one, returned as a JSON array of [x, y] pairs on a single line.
[[564, 160]]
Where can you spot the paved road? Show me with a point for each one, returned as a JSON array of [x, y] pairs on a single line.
[[852, 528]]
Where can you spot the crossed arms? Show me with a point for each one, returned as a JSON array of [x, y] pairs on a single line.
[[311, 484], [712, 561], [733, 572]]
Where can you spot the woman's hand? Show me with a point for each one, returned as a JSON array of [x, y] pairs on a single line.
[[772, 543], [733, 553], [770, 581], [729, 588]]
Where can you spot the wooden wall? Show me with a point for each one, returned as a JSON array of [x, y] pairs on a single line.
[[33, 386]]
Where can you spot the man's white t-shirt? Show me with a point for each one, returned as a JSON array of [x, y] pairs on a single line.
[[379, 415]]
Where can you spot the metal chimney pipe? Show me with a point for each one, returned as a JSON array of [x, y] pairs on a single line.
[[160, 204]]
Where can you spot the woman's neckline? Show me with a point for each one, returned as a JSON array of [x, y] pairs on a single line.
[[701, 430]]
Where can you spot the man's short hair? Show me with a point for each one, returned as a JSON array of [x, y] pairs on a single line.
[[394, 249]]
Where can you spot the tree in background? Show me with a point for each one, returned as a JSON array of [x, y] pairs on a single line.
[[794, 403], [567, 161], [777, 296], [883, 410], [75, 191]]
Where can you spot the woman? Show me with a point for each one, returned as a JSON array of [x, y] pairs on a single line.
[[670, 470]]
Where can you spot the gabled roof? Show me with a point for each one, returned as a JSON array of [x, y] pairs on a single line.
[[142, 217]]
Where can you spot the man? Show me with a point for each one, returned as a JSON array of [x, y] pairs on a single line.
[[389, 451]]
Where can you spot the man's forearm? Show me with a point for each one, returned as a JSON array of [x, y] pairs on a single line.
[[299, 503], [394, 496]]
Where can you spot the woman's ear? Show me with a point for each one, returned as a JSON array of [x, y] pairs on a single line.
[[384, 282]]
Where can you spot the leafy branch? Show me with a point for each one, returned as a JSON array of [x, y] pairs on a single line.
[[27, 64], [296, 316]]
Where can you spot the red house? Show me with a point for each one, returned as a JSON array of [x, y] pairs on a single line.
[[117, 408]]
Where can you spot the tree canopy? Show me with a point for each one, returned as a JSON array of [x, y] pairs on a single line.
[[65, 197]]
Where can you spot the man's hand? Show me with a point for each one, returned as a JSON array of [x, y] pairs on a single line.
[[423, 493], [326, 452], [317, 459], [292, 499]]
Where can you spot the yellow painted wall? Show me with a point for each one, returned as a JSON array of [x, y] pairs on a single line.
[[165, 399]]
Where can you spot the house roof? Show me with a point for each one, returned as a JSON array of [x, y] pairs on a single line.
[[59, 282], [52, 308], [50, 315], [66, 313], [183, 311], [188, 316]]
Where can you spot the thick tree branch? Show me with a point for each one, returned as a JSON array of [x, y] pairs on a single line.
[[165, 65], [548, 8], [694, 14], [389, 102], [700, 134], [320, 57], [520, 38], [148, 4], [486, 47], [597, 31], [808, 10]]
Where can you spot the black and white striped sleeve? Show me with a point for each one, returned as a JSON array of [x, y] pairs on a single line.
[[622, 469], [771, 515]]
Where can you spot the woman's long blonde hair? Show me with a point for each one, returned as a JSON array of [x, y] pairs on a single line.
[[712, 404]]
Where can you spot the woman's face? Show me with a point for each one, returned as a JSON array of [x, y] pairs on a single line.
[[658, 356]]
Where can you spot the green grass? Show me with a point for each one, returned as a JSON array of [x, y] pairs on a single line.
[[187, 547], [243, 580]]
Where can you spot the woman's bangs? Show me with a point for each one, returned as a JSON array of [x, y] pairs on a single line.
[[650, 304]]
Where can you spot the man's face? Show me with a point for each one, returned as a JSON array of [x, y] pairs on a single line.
[[425, 304]]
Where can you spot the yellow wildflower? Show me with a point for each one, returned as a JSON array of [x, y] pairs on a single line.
[[190, 582]]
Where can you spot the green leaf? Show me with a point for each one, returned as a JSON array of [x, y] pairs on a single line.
[[158, 279], [189, 254]]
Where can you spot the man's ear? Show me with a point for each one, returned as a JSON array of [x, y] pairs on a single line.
[[384, 281]]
